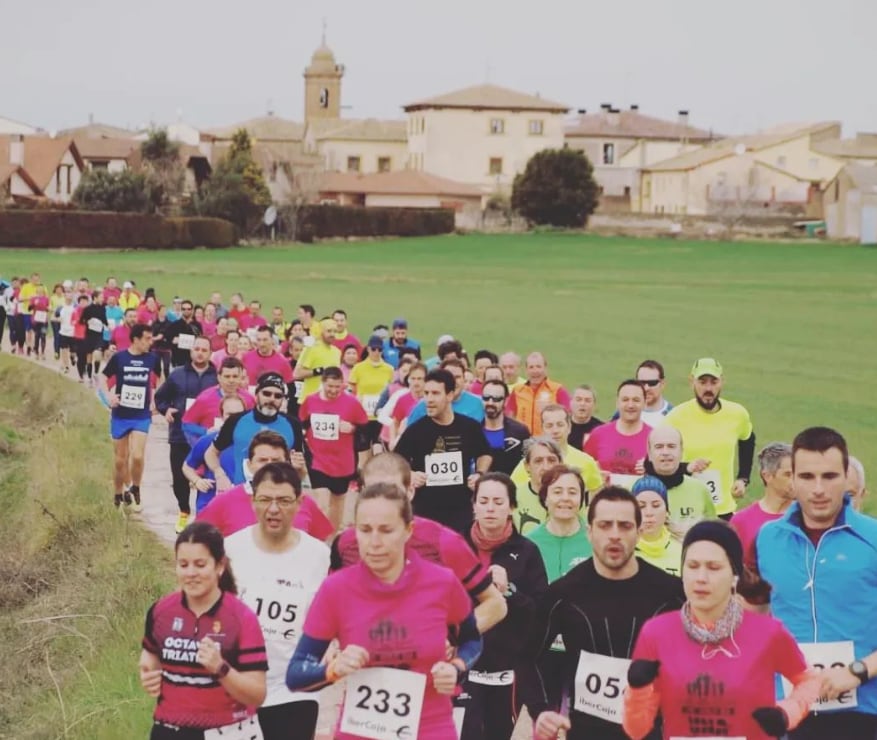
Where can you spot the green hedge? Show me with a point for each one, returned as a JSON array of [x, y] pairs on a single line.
[[38, 228], [326, 221]]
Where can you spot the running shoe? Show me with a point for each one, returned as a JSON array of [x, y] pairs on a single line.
[[182, 521], [134, 500], [118, 499]]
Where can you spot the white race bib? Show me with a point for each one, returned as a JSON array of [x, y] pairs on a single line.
[[496, 678], [185, 341], [600, 684], [444, 469], [247, 729], [217, 423], [823, 655], [325, 426], [189, 402], [299, 386], [279, 610], [252, 333], [713, 481], [370, 404], [112, 323], [40, 317], [383, 704], [95, 324], [625, 481], [132, 397]]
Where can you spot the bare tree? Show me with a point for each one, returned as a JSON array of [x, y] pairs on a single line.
[[304, 189]]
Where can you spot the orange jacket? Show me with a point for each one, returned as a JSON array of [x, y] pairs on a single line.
[[527, 401]]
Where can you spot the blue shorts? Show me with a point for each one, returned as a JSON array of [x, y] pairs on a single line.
[[120, 428], [26, 321]]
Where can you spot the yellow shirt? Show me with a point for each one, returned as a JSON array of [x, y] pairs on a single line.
[[370, 381], [132, 300], [317, 355], [713, 436], [27, 291]]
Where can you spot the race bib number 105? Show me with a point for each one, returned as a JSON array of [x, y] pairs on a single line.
[[383, 704]]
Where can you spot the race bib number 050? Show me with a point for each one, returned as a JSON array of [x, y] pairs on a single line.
[[444, 469], [824, 655], [600, 684], [383, 704]]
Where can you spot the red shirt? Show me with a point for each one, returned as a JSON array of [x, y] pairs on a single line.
[[190, 696], [748, 522], [257, 365], [616, 452], [40, 303], [204, 411], [332, 449], [121, 337]]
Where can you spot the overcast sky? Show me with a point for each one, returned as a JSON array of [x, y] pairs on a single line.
[[737, 66]]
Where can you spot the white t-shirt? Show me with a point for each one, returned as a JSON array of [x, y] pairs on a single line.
[[279, 587], [66, 317]]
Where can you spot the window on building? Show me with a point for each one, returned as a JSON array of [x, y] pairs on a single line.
[[384, 164], [100, 165], [609, 153], [536, 127], [497, 126], [353, 164], [495, 167]]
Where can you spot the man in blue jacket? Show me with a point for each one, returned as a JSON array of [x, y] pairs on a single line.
[[172, 399], [821, 559]]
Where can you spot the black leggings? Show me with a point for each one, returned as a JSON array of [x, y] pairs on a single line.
[[831, 725], [82, 352], [179, 451], [491, 711], [294, 721]]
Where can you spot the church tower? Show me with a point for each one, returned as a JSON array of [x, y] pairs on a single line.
[[323, 85]]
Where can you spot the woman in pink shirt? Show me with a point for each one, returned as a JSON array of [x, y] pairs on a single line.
[[390, 614], [709, 669], [147, 313]]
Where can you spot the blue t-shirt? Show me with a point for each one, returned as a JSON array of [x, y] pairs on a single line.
[[239, 429], [468, 404], [495, 438], [196, 457], [391, 351], [133, 385], [116, 314]]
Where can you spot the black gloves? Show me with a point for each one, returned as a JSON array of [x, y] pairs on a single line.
[[642, 673], [772, 720], [317, 371]]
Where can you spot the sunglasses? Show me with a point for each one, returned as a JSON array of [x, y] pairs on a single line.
[[651, 383], [494, 399], [271, 394]]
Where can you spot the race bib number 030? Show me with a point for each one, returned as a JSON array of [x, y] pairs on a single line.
[[132, 397], [383, 704], [600, 684], [444, 469], [824, 655], [713, 481], [247, 729], [325, 426]]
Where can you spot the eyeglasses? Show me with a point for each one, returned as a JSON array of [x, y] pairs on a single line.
[[651, 383], [271, 394], [495, 399], [374, 349], [283, 502]]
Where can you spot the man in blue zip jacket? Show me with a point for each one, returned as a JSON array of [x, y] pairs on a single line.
[[821, 559], [172, 400]]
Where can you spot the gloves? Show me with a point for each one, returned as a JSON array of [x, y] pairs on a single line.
[[317, 371], [773, 720], [642, 673]]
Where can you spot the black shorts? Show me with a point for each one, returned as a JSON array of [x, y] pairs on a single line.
[[66, 342], [336, 486], [368, 435], [93, 343]]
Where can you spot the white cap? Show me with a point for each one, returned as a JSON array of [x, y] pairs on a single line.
[[444, 338], [128, 284], [68, 284]]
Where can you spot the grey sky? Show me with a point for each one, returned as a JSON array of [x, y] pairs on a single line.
[[738, 66]]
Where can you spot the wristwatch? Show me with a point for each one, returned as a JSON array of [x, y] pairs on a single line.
[[859, 670], [223, 670]]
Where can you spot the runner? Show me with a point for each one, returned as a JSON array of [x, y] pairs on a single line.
[[204, 414], [447, 451], [775, 467], [231, 349], [689, 500], [651, 374], [716, 430], [511, 369], [431, 540], [821, 558], [463, 402], [399, 342], [856, 483], [394, 413], [391, 615], [528, 399], [67, 332], [711, 672], [93, 318], [331, 419], [655, 544], [25, 316], [238, 431], [343, 337], [173, 398], [316, 358], [203, 653], [39, 311], [620, 447], [597, 609], [492, 703], [540, 454], [181, 333], [233, 510], [278, 569], [367, 381], [505, 435], [265, 358], [583, 422], [131, 402]]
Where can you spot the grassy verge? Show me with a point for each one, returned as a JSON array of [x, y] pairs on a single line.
[[75, 577]]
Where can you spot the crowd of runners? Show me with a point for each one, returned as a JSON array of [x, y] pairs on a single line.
[[457, 536]]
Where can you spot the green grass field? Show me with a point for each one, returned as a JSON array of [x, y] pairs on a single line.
[[793, 324]]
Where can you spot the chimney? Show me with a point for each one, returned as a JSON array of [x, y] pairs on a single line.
[[612, 116], [16, 150], [582, 111], [605, 106], [634, 106], [683, 118]]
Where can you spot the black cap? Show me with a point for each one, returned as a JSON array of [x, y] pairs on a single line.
[[270, 380], [723, 535]]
